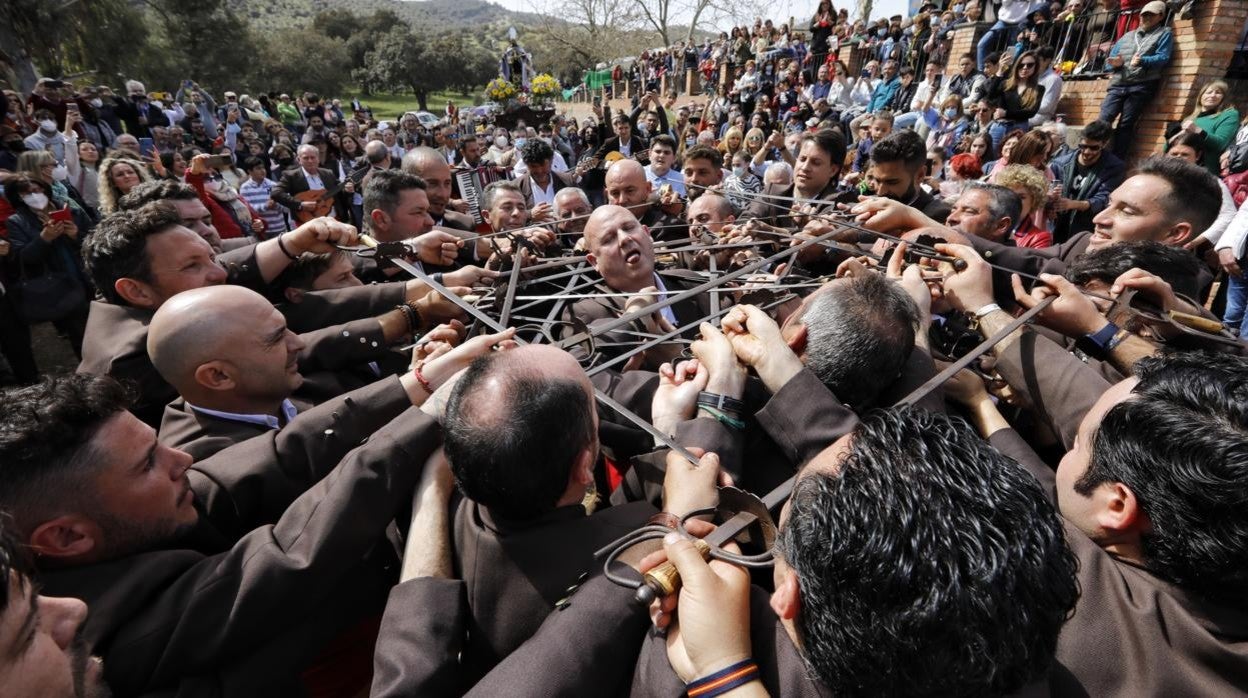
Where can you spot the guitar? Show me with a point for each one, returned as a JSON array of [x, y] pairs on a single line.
[[323, 198]]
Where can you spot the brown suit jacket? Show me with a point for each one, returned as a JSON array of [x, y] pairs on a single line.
[[588, 648], [246, 621], [781, 668], [338, 305], [294, 181], [1133, 634], [785, 431], [515, 572]]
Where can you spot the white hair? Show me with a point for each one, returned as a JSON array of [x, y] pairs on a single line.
[[570, 191], [133, 86], [778, 172]]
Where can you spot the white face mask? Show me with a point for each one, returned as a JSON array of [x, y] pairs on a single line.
[[500, 141], [35, 201], [47, 125], [212, 185], [97, 102], [60, 173]]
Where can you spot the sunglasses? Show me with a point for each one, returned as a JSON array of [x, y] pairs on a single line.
[[1090, 147], [1026, 65]]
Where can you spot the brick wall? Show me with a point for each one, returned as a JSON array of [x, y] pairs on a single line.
[[1203, 46], [964, 40]]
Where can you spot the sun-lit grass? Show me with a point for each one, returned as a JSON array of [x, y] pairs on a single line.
[[392, 105]]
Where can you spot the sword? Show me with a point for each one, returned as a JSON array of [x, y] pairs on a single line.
[[493, 324]]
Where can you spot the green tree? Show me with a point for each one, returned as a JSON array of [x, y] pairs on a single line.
[[203, 40], [337, 22], [400, 60], [296, 59], [69, 38]]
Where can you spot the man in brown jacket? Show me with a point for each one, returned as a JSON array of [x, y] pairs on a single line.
[[1151, 492], [234, 575]]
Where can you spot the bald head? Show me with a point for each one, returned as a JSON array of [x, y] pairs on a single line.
[[430, 165], [627, 186], [224, 347], [521, 431]]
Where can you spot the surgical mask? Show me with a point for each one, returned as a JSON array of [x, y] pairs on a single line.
[[545, 140], [97, 102], [47, 125], [212, 184], [35, 200], [951, 113], [882, 33], [500, 141], [738, 172], [521, 141], [563, 131], [60, 173], [690, 142]]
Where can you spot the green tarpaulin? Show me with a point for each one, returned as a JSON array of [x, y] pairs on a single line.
[[597, 79]]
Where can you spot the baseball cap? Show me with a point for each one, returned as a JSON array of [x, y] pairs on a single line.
[[1156, 7]]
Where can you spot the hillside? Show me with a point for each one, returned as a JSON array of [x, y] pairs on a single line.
[[275, 14]]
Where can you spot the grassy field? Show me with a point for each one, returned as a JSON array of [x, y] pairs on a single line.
[[391, 105]]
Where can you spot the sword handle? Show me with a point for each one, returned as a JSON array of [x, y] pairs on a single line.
[[367, 240], [664, 580]]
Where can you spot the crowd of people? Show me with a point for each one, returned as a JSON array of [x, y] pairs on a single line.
[[366, 405]]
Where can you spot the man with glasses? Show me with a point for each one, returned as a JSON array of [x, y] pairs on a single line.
[[1136, 61], [1086, 178]]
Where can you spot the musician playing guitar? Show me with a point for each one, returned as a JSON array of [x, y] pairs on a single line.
[[310, 191]]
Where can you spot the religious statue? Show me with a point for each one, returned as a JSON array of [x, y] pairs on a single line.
[[516, 64]]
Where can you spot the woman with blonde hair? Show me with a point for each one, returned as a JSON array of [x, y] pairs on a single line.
[[41, 165], [1029, 184], [1217, 119], [118, 175], [731, 142]]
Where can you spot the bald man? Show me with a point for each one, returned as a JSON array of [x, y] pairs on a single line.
[[521, 436], [620, 249], [236, 365], [627, 186], [430, 165]]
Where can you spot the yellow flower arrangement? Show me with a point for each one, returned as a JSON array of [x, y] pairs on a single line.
[[544, 85], [500, 89]]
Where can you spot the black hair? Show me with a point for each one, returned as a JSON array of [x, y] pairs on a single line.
[[14, 560], [251, 162], [929, 564], [705, 152], [859, 334], [664, 139], [117, 248], [156, 190], [515, 456], [22, 184], [301, 272], [1175, 265], [44, 440], [906, 147], [1099, 131], [1180, 443], [1194, 197], [535, 151], [385, 186]]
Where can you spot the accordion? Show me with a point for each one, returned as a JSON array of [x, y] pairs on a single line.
[[471, 183]]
